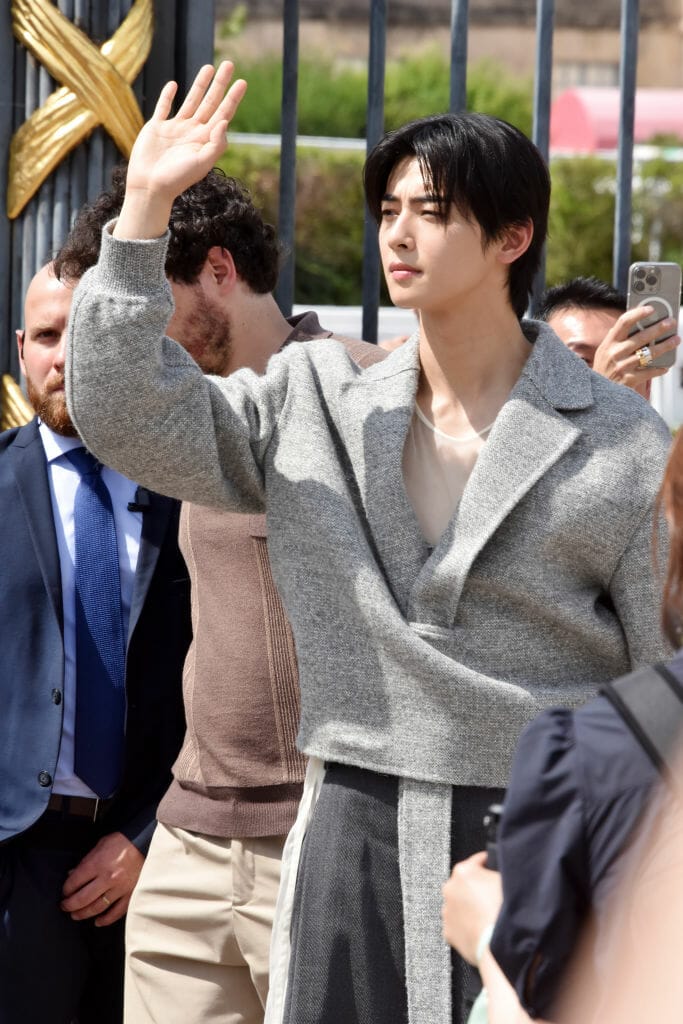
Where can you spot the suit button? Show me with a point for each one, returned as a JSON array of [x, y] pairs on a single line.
[[44, 778], [56, 696]]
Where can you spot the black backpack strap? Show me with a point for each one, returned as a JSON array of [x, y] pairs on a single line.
[[650, 700]]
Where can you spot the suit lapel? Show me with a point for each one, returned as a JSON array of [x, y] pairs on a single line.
[[29, 466], [155, 520], [376, 411], [530, 435]]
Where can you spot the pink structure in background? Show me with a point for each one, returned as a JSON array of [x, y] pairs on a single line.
[[585, 120]]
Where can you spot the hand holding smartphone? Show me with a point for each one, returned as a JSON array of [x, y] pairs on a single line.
[[657, 285]]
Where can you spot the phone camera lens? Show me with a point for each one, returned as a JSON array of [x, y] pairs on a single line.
[[640, 272], [651, 279], [638, 286]]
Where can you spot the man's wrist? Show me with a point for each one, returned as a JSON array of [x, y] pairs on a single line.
[[144, 215], [483, 943]]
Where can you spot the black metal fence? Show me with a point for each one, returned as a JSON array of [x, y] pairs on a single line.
[[377, 30], [183, 39]]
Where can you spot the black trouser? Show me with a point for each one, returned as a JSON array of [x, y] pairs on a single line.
[[348, 964], [54, 970]]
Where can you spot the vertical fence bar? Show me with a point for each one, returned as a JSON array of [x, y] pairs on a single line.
[[630, 17], [32, 237], [16, 312], [284, 293], [6, 130], [374, 130], [543, 80], [459, 21]]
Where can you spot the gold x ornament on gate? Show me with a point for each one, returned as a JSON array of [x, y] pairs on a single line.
[[95, 90]]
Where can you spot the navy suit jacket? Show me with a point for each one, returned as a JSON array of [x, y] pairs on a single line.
[[32, 650]]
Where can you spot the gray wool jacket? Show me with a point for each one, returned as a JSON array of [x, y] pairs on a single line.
[[421, 663]]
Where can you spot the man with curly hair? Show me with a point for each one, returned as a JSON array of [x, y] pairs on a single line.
[[198, 931]]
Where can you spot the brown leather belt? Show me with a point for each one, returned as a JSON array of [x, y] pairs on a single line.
[[91, 808]]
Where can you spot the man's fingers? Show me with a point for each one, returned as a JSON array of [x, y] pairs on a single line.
[[165, 101], [206, 92], [105, 908], [215, 94], [114, 913], [196, 92], [228, 107], [78, 878], [656, 349], [648, 335], [84, 896]]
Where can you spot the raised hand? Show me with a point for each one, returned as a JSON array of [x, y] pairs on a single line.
[[616, 357], [172, 153]]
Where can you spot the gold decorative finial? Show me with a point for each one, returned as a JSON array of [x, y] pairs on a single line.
[[95, 90], [15, 410]]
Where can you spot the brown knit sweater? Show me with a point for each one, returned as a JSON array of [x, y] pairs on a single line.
[[239, 773]]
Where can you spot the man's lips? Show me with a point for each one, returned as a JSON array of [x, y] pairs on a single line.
[[402, 271]]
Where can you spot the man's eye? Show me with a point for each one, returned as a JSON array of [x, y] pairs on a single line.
[[387, 212]]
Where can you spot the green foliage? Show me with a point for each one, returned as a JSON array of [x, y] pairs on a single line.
[[658, 210], [230, 27], [329, 217], [581, 219], [329, 228], [332, 97], [491, 91], [582, 215]]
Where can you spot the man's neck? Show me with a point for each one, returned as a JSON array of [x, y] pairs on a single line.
[[470, 360], [259, 330]]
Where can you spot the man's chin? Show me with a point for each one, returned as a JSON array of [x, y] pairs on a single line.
[[53, 412]]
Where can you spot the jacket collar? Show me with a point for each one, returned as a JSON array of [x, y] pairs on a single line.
[[530, 434]]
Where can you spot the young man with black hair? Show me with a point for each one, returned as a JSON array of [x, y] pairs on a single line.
[[590, 317], [427, 527], [198, 930]]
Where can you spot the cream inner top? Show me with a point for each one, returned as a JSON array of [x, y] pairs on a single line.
[[436, 468]]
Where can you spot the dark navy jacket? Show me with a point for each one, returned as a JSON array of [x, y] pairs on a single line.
[[579, 787], [32, 652]]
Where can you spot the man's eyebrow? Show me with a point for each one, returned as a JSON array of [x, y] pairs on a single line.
[[44, 326], [389, 197]]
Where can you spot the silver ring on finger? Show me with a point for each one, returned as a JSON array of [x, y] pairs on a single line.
[[645, 356]]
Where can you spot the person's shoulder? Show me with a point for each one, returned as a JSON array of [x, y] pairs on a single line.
[[334, 356], [9, 437], [363, 353], [618, 403]]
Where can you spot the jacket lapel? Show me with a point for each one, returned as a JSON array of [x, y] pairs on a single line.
[[376, 411], [530, 435], [155, 521], [29, 466]]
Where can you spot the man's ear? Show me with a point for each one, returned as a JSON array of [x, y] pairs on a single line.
[[221, 266], [514, 241], [20, 348]]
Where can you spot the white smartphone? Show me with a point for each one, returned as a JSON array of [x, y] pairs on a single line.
[[657, 285]]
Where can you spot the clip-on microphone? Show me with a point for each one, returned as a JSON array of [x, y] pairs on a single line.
[[142, 501]]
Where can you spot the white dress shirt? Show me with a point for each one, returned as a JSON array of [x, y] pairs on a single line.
[[64, 479]]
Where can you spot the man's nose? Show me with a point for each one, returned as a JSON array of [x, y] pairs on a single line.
[[400, 235], [59, 355]]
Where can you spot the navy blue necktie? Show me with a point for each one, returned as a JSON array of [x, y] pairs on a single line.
[[100, 641]]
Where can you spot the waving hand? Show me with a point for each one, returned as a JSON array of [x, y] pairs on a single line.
[[172, 153]]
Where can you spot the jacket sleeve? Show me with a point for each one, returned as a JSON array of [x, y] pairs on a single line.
[[144, 407], [543, 860], [636, 591]]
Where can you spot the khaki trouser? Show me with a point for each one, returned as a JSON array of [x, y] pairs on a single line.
[[198, 929]]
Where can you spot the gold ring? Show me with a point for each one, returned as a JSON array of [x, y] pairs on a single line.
[[103, 897], [645, 356]]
